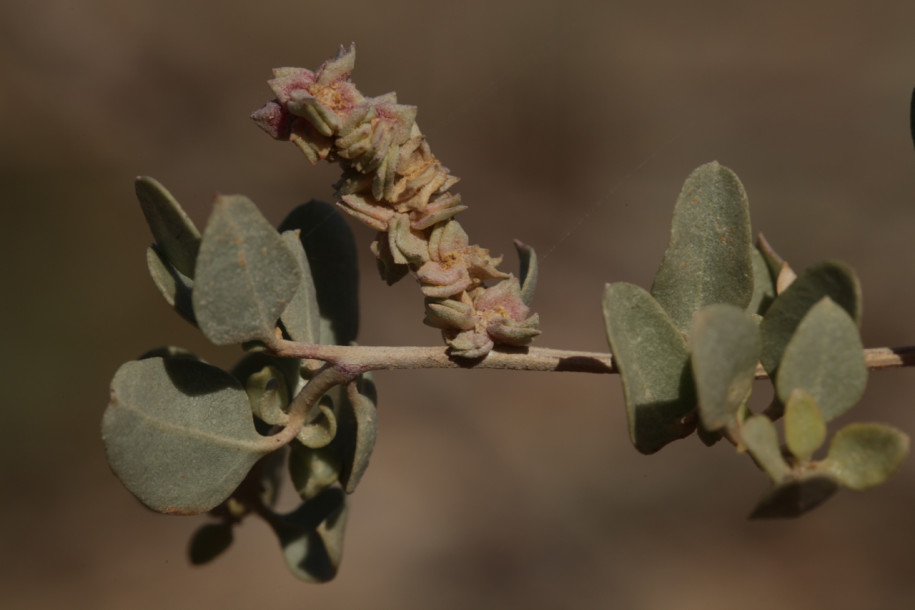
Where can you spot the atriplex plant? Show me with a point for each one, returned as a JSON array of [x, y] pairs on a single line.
[[186, 437]]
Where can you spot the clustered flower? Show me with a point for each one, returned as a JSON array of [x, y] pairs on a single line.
[[394, 184]]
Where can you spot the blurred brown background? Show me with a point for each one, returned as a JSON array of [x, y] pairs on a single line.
[[573, 125]]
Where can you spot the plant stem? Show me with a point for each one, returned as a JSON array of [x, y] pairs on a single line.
[[357, 359], [328, 377]]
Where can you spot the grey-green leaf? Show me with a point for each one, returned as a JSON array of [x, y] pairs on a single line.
[[528, 272], [302, 317], [209, 542], [357, 431], [179, 434], [825, 358], [653, 361], [725, 349], [835, 280], [759, 436], [312, 536], [175, 287], [763, 285], [708, 257], [174, 232], [805, 428], [795, 496], [332, 257], [864, 455], [245, 276]]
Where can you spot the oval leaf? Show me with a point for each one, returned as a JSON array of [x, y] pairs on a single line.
[[805, 428], [708, 256], [763, 285], [174, 232], [829, 279], [824, 358], [864, 455], [179, 434], [651, 356], [357, 431], [759, 436], [332, 257], [725, 349], [302, 317], [245, 275]]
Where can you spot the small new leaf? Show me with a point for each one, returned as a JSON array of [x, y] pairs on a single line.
[[708, 257], [179, 434], [864, 455], [653, 362], [759, 436], [824, 358], [245, 277], [805, 428]]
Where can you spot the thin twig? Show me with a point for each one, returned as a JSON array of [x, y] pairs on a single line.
[[301, 406], [357, 359]]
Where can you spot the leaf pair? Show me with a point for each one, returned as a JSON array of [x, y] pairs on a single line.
[[234, 281], [860, 456], [241, 276], [708, 261]]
